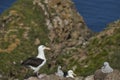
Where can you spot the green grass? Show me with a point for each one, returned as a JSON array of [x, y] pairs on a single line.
[[30, 17]]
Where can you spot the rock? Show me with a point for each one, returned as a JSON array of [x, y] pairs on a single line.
[[99, 75], [48, 77], [115, 75], [54, 77], [68, 78], [79, 78], [16, 79], [91, 77], [32, 78]]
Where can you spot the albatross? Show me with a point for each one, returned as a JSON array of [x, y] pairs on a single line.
[[70, 74], [100, 74], [35, 63], [106, 68], [60, 73]]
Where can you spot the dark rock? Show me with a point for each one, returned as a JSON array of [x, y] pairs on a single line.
[[48, 77], [99, 75], [115, 75]]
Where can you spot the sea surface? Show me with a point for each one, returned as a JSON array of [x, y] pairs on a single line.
[[5, 4], [96, 13]]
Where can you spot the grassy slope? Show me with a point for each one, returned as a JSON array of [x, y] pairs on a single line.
[[21, 19], [103, 47], [24, 17]]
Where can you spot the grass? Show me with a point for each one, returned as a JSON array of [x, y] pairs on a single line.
[[26, 23], [24, 18]]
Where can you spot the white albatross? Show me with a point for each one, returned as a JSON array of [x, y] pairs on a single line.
[[70, 74], [59, 72], [35, 63], [106, 68]]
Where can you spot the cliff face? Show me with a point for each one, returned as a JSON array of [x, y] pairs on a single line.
[[57, 24], [66, 26], [67, 33], [30, 23]]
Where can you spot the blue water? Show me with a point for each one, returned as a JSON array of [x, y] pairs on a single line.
[[96, 13], [4, 4]]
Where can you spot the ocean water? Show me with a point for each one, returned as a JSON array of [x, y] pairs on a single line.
[[96, 13], [5, 4]]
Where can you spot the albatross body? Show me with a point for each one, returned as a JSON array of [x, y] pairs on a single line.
[[106, 68], [60, 73], [35, 63], [70, 74]]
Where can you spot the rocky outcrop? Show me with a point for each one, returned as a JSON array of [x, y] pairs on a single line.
[[57, 24], [48, 77], [115, 75], [52, 22], [67, 27], [99, 75], [91, 77]]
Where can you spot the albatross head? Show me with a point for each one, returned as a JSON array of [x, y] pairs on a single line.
[[59, 67], [71, 74], [42, 47], [106, 64]]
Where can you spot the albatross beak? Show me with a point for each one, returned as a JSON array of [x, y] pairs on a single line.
[[47, 48]]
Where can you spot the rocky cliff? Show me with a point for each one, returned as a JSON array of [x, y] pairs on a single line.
[[67, 30], [27, 24], [57, 24]]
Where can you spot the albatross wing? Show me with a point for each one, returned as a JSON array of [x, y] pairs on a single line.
[[32, 62]]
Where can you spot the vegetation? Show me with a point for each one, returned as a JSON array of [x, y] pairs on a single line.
[[22, 29], [104, 47]]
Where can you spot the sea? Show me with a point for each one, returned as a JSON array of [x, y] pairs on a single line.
[[96, 13]]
